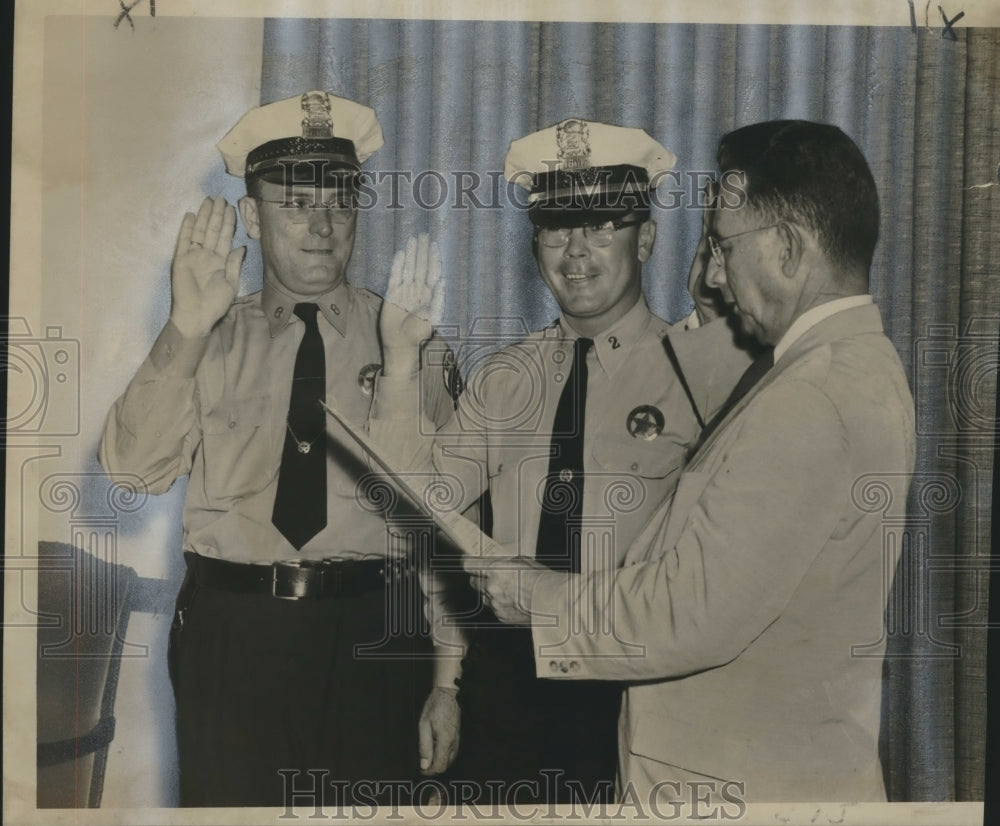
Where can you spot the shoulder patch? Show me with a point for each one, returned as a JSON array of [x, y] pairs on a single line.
[[453, 382]]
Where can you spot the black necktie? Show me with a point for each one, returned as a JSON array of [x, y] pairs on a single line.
[[300, 501], [753, 374], [562, 502]]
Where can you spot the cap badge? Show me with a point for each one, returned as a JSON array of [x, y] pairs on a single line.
[[316, 120], [573, 144], [645, 422]]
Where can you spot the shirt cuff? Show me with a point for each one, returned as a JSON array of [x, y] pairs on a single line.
[[447, 667]]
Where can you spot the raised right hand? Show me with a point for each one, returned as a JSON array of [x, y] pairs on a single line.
[[205, 273], [412, 305]]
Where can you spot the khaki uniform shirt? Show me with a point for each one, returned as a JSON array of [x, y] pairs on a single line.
[[225, 425]]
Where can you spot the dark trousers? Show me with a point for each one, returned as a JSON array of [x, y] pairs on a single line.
[[266, 685], [540, 740]]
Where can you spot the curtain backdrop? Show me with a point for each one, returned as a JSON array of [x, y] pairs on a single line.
[[452, 95]]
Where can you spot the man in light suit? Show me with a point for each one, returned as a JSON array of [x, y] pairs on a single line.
[[748, 613]]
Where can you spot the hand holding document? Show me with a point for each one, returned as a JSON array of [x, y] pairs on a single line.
[[504, 579], [466, 536]]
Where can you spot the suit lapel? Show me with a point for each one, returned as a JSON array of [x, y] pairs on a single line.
[[845, 324]]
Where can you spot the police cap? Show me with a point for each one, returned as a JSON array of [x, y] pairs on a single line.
[[580, 171], [315, 138]]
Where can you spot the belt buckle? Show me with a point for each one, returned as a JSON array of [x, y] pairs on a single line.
[[296, 579]]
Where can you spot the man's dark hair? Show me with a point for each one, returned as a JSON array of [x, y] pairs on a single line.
[[812, 173]]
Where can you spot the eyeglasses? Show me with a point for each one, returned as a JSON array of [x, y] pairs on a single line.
[[715, 244], [299, 208], [600, 234]]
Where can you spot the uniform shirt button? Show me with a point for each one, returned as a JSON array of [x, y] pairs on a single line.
[[232, 425], [574, 666], [553, 666], [564, 668], [635, 465], [565, 475]]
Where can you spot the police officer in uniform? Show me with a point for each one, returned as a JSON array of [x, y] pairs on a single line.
[[578, 433], [298, 643]]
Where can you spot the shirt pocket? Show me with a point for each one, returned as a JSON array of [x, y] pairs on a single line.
[[652, 460], [637, 474], [240, 453]]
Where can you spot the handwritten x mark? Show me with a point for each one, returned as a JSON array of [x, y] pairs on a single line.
[[124, 15], [949, 32]]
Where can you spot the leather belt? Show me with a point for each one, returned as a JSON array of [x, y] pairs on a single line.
[[297, 578]]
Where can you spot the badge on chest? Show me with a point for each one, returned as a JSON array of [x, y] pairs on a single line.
[[645, 422], [366, 377]]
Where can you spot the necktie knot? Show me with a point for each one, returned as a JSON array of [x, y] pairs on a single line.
[[306, 311], [580, 348]]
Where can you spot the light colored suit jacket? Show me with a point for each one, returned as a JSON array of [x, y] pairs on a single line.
[[749, 615]]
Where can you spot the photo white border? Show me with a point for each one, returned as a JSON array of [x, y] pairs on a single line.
[[25, 250]]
